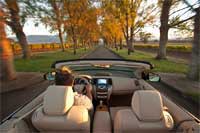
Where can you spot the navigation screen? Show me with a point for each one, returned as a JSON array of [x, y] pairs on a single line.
[[102, 81]]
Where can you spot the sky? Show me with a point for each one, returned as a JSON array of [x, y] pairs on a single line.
[[30, 28]]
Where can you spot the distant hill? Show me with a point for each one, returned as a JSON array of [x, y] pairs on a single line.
[[40, 39]]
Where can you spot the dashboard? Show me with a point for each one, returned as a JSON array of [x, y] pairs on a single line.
[[104, 86]]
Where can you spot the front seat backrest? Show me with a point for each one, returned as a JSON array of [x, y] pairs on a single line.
[[58, 113], [58, 100], [145, 116], [147, 105]]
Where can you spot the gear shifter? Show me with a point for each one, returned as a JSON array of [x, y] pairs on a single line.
[[101, 104]]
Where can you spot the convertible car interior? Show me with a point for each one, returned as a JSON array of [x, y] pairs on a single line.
[[123, 102]]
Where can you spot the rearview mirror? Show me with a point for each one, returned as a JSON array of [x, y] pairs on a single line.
[[49, 76], [153, 77]]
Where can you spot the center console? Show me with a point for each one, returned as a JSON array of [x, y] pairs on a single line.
[[102, 119], [103, 88]]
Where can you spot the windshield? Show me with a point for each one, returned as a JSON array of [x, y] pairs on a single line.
[[104, 71]]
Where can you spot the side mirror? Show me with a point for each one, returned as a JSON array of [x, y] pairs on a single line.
[[153, 77], [49, 76]]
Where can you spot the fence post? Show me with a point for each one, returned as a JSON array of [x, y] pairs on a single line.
[[42, 47], [53, 46]]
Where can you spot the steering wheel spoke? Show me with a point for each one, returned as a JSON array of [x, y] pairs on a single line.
[[80, 84]]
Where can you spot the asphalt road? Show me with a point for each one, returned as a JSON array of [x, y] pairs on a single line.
[[102, 53], [10, 101]]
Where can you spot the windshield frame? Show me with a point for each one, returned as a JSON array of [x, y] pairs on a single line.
[[151, 66]]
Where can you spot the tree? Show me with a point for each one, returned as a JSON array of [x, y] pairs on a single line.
[[167, 23], [110, 26], [78, 20], [144, 36], [194, 67], [7, 67], [52, 16], [89, 29], [132, 16], [13, 20], [58, 19], [74, 11], [164, 28]]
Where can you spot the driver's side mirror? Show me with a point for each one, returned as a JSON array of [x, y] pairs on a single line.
[[49, 76]]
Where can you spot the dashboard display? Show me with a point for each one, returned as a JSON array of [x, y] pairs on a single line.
[[102, 81]]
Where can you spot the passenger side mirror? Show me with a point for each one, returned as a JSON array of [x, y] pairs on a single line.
[[153, 77], [49, 76]]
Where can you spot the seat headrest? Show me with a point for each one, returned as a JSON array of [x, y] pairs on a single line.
[[58, 100], [147, 105]]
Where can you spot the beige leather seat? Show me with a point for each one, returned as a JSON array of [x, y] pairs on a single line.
[[114, 110], [146, 115], [58, 113]]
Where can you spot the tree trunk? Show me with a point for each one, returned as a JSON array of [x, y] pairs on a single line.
[[128, 36], [75, 45], [194, 67], [58, 20], [115, 41], [164, 29], [17, 27], [162, 44], [61, 39], [74, 39], [131, 40], [84, 45], [7, 67], [128, 46], [120, 44], [74, 48], [24, 44]]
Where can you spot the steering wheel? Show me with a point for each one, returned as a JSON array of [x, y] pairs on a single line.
[[80, 84], [83, 81]]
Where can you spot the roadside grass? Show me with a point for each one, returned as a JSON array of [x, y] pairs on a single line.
[[171, 47], [41, 62], [194, 96], [159, 65], [181, 47]]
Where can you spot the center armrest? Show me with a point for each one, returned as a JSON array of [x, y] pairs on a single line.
[[102, 122]]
